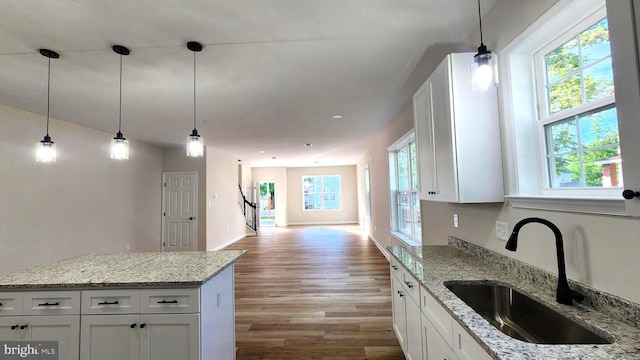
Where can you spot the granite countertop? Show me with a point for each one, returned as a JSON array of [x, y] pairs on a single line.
[[125, 270], [434, 265]]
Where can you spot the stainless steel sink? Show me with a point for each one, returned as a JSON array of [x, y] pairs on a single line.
[[521, 317]]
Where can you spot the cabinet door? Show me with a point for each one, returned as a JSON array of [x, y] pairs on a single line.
[[436, 348], [465, 346], [110, 337], [444, 155], [10, 328], [398, 307], [170, 336], [414, 330], [65, 329], [423, 126]]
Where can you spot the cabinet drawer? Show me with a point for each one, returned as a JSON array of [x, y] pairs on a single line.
[[51, 302], [439, 317], [111, 301], [10, 303], [170, 301], [411, 286], [396, 268]]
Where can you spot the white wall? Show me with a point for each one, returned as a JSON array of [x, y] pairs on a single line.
[[378, 226], [84, 203], [279, 175], [175, 159], [225, 220], [347, 215], [601, 251]]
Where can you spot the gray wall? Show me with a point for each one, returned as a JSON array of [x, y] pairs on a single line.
[[84, 203]]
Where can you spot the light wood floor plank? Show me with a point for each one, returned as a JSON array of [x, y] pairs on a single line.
[[320, 292]]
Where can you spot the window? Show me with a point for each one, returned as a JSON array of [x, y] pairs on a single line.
[[403, 173], [579, 121], [321, 192], [558, 100], [367, 190]]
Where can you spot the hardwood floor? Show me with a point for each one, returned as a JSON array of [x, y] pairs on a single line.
[[313, 293]]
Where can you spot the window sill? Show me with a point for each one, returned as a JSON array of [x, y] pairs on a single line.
[[601, 206], [405, 239]]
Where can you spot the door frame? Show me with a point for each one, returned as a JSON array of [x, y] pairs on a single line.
[[273, 201], [194, 235]]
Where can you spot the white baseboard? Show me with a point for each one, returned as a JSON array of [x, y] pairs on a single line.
[[324, 223], [382, 250], [220, 247]]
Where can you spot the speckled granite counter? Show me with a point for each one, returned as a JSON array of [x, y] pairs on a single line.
[[128, 270], [433, 265]]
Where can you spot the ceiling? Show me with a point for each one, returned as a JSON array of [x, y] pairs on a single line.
[[270, 77]]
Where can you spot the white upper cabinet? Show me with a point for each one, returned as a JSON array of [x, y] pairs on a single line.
[[458, 136], [624, 28]]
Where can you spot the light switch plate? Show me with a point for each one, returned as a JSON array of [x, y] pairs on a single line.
[[502, 230]]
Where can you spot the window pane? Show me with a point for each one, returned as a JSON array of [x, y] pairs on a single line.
[[331, 202], [565, 94], [599, 128], [564, 137], [417, 225], [414, 166], [562, 61], [602, 168], [598, 80], [565, 171], [594, 43], [308, 185], [403, 169], [404, 213], [308, 202]]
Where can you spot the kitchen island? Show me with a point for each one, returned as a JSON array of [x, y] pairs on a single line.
[[430, 267], [126, 306]]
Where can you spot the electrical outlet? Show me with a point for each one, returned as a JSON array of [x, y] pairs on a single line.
[[455, 220], [128, 247], [502, 230]]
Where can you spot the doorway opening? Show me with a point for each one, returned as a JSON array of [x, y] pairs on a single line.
[[267, 196]]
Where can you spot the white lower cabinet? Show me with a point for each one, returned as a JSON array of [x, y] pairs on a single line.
[[435, 347], [445, 338], [406, 317], [42, 316], [150, 336]]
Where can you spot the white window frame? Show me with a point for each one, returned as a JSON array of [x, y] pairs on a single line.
[[524, 144], [404, 141], [322, 192]]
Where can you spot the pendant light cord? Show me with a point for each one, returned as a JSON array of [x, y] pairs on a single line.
[[480, 17], [48, 94], [120, 110], [194, 90]]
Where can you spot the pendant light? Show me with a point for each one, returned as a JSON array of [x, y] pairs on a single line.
[[484, 68], [46, 149], [195, 144], [120, 145]]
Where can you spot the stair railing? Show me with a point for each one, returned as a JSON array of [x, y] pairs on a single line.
[[249, 209]]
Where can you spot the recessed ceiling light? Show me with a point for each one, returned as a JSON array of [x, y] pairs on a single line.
[[308, 144], [261, 152], [207, 121], [337, 116], [273, 157]]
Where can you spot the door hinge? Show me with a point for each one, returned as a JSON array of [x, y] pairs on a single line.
[[164, 214], [165, 184]]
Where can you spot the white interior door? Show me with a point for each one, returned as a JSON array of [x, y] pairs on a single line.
[[179, 221]]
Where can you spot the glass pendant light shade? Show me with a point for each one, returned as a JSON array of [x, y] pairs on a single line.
[[46, 150], [195, 145], [119, 147], [484, 69]]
